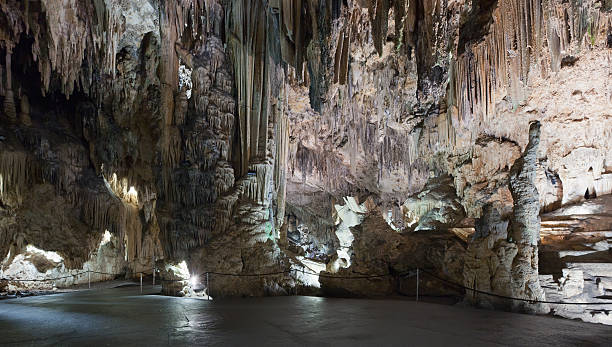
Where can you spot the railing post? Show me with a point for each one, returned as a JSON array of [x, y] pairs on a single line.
[[417, 286], [303, 273], [141, 283], [153, 270], [399, 283], [88, 278]]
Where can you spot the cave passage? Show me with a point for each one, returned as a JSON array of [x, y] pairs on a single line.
[[178, 172]]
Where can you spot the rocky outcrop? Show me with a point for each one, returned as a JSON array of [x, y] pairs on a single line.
[[312, 235], [379, 251], [52, 270], [502, 256], [436, 207]]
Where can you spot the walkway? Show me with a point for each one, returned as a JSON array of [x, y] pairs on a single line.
[[121, 316]]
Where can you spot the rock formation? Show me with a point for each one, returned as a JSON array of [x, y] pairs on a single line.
[[488, 261], [502, 257], [346, 136], [525, 222]]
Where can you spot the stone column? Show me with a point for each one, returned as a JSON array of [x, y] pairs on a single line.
[[525, 226]]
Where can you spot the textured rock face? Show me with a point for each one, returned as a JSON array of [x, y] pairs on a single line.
[[251, 136], [436, 207], [156, 160], [489, 260], [371, 142]]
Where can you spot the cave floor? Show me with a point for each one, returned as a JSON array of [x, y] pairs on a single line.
[[121, 316]]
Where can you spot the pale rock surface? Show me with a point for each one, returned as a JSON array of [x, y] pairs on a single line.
[[377, 249], [436, 207], [106, 263], [576, 259]]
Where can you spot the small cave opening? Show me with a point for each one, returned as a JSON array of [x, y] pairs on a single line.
[[40, 108], [590, 194]]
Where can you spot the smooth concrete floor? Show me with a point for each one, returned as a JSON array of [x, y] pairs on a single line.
[[121, 316]]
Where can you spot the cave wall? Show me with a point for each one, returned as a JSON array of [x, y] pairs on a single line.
[[436, 88], [73, 160], [382, 131], [169, 163]]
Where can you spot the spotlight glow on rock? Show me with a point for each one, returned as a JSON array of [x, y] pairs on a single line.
[[180, 270], [53, 256], [132, 195], [106, 238]]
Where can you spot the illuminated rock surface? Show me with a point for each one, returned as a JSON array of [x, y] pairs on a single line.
[[343, 138], [575, 258]]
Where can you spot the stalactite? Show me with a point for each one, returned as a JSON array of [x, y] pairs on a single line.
[[133, 232], [247, 40], [64, 167], [24, 115], [280, 166], [341, 58], [175, 16], [500, 64], [2, 92], [201, 189], [68, 33], [292, 42], [379, 13], [9, 97], [17, 170]]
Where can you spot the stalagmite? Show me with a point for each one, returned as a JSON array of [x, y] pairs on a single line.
[[525, 225], [489, 260]]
